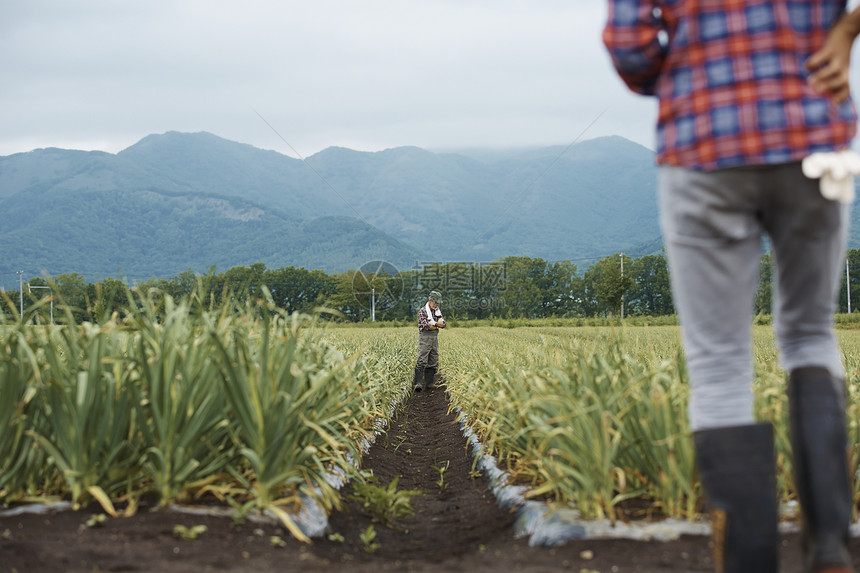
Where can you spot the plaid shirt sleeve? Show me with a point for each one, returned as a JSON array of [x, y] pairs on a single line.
[[634, 35], [422, 320], [730, 78]]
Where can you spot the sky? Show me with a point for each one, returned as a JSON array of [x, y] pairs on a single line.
[[298, 77]]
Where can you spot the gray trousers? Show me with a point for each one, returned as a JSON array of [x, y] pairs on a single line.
[[712, 224], [428, 349]]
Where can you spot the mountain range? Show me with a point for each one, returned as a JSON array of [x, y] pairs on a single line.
[[178, 201]]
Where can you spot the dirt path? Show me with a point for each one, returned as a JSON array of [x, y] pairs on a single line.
[[455, 514], [457, 526]]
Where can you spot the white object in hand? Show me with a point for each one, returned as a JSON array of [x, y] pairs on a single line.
[[836, 171]]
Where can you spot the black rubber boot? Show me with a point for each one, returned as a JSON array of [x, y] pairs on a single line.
[[429, 377], [819, 442], [738, 473], [418, 380]]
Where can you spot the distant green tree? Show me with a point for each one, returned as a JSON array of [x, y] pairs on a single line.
[[650, 293], [72, 295], [406, 305], [344, 297], [585, 301], [522, 296], [376, 294], [245, 281], [107, 297], [557, 286], [182, 284], [9, 303], [485, 297], [298, 289], [609, 283], [469, 290], [392, 296]]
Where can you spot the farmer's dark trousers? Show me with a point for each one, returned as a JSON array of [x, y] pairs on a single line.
[[712, 224], [428, 349]]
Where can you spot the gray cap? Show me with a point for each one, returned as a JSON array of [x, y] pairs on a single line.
[[435, 295]]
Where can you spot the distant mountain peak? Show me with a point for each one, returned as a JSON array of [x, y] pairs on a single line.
[[176, 200], [180, 138]]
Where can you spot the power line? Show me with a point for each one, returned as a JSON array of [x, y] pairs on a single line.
[[516, 199], [324, 180]]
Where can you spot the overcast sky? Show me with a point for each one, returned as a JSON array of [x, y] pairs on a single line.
[[368, 75]]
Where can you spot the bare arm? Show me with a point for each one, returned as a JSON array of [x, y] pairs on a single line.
[[830, 65]]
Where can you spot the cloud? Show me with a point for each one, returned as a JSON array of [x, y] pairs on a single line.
[[367, 75]]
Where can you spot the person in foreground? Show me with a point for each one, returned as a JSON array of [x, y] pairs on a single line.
[[747, 91], [429, 322]]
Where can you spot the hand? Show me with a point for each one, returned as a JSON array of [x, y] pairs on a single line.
[[830, 64], [441, 323]]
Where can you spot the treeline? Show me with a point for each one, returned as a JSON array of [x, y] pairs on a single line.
[[511, 287]]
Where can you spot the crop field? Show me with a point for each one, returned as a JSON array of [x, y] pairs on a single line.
[[596, 416], [254, 408], [248, 406]]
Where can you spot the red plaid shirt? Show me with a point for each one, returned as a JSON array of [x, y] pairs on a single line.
[[423, 323], [730, 78]]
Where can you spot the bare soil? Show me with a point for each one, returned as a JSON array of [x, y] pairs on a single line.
[[457, 526]]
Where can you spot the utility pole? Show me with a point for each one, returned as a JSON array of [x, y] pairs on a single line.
[[848, 284], [622, 280], [373, 304], [21, 289], [51, 290]]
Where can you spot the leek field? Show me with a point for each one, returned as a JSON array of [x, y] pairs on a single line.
[[252, 407]]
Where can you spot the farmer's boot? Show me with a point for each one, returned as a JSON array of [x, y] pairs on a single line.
[[418, 380], [819, 442], [429, 377], [736, 466]]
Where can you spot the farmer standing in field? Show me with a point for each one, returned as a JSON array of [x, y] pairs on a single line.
[[746, 91], [429, 322]]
